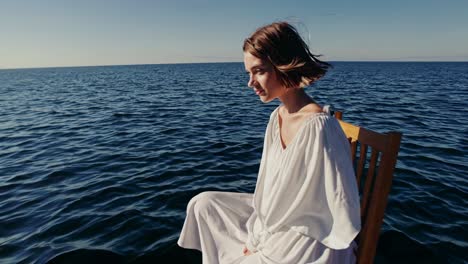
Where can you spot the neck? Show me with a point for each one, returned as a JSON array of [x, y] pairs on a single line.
[[294, 99]]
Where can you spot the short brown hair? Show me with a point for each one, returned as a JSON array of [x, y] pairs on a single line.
[[281, 45]]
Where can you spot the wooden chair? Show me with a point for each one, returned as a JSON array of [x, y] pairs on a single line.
[[374, 180]]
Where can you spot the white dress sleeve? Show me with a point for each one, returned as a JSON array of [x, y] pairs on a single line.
[[332, 214], [341, 189]]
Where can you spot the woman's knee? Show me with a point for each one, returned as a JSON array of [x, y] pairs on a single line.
[[202, 202]]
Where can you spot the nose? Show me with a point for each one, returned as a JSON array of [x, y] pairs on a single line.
[[251, 81]]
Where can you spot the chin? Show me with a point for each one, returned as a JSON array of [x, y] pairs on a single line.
[[266, 99]]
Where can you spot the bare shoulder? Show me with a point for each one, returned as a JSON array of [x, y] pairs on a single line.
[[312, 109]]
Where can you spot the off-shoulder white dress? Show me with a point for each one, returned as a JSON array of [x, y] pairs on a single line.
[[305, 208]]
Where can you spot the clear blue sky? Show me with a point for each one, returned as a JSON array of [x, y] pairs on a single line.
[[98, 32]]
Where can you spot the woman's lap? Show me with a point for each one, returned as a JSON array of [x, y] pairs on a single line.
[[215, 224]]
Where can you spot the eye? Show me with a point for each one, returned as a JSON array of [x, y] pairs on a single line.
[[259, 71]]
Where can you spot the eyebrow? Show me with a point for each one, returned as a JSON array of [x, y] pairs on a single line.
[[255, 67]]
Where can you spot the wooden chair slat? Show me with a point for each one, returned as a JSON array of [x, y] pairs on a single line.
[[354, 145], [362, 162], [369, 182], [373, 163]]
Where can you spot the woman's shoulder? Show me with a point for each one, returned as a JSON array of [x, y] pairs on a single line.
[[313, 115], [324, 122], [319, 115], [306, 111]]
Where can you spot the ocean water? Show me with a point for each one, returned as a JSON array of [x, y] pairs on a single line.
[[99, 163]]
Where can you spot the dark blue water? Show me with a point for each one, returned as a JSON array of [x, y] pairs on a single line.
[[106, 158]]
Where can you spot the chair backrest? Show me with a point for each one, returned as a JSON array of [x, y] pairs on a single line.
[[374, 177]]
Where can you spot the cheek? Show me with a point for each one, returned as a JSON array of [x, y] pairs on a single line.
[[268, 80], [274, 84], [273, 80]]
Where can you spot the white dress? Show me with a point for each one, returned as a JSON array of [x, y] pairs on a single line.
[[305, 208]]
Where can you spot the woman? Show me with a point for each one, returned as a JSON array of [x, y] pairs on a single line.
[[305, 208]]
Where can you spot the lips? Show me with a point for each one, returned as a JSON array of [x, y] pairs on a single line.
[[259, 91]]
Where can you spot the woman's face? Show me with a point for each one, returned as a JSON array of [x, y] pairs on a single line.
[[263, 78]]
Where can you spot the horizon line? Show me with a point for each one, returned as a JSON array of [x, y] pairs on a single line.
[[218, 62]]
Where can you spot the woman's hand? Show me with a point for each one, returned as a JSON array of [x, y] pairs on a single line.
[[246, 251]]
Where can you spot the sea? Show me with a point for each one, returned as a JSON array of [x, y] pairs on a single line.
[[97, 164]]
